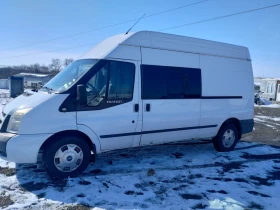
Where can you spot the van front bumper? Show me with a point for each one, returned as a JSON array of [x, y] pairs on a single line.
[[21, 148], [4, 138]]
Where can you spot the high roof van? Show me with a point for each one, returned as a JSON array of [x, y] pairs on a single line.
[[132, 90]]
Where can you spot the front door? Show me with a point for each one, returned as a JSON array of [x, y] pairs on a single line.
[[278, 93], [111, 110], [171, 103]]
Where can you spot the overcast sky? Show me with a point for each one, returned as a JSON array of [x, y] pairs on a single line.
[[24, 23]]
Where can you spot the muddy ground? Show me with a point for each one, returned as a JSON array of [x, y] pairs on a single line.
[[266, 131], [177, 176]]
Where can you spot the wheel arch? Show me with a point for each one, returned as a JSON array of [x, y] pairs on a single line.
[[76, 133], [236, 122]]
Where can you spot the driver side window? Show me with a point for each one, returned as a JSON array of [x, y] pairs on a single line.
[[114, 81]]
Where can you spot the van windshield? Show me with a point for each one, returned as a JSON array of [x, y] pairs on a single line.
[[69, 75]]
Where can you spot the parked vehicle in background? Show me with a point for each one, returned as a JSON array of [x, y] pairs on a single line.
[[132, 90], [258, 98]]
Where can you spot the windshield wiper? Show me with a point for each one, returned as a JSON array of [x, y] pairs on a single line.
[[48, 89]]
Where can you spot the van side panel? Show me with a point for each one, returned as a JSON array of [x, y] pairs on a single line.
[[169, 58], [124, 52], [231, 79], [169, 114]]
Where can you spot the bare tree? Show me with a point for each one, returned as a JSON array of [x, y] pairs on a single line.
[[55, 64], [67, 61], [35, 68]]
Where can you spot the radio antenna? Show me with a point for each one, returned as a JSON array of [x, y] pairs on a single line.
[[135, 23]]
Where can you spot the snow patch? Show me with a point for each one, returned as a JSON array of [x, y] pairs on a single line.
[[269, 106], [186, 176], [269, 118]]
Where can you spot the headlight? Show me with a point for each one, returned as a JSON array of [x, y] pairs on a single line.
[[15, 120]]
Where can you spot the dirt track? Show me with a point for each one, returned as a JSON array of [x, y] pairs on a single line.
[[266, 130]]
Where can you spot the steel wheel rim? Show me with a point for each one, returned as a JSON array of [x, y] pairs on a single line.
[[228, 138], [68, 158]]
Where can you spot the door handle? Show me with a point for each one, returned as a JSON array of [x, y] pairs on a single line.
[[136, 107], [148, 107]]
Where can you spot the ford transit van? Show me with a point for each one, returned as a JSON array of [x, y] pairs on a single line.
[[132, 90]]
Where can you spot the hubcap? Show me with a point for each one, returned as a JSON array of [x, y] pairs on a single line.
[[228, 138], [68, 158]]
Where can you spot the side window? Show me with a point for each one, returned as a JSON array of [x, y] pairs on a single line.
[[96, 87], [192, 83], [154, 80], [163, 82], [175, 83], [115, 80], [121, 80]]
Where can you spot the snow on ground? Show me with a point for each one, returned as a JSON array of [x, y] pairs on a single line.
[[273, 122], [189, 175], [268, 118], [269, 106], [4, 97], [178, 176]]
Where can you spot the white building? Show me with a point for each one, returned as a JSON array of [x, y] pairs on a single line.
[[34, 80], [4, 84], [270, 87]]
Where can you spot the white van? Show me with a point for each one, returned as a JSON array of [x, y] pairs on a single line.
[[142, 88]]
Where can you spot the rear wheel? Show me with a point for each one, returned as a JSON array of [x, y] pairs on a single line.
[[226, 139], [66, 157]]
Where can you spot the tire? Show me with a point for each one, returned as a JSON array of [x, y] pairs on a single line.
[[226, 138], [68, 156]]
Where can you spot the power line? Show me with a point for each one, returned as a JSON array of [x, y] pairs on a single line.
[[188, 24], [220, 17], [170, 10], [109, 26], [50, 51]]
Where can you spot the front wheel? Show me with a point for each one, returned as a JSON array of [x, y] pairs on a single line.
[[66, 157], [226, 139]]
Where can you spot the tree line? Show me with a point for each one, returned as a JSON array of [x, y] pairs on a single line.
[[53, 68]]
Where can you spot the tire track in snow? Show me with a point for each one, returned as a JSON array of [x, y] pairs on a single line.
[[250, 159], [265, 120]]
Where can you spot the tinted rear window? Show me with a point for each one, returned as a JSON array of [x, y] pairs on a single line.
[[165, 82]]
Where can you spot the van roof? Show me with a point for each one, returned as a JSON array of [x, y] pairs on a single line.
[[158, 40]]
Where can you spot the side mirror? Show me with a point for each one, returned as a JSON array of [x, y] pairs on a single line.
[[81, 94]]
